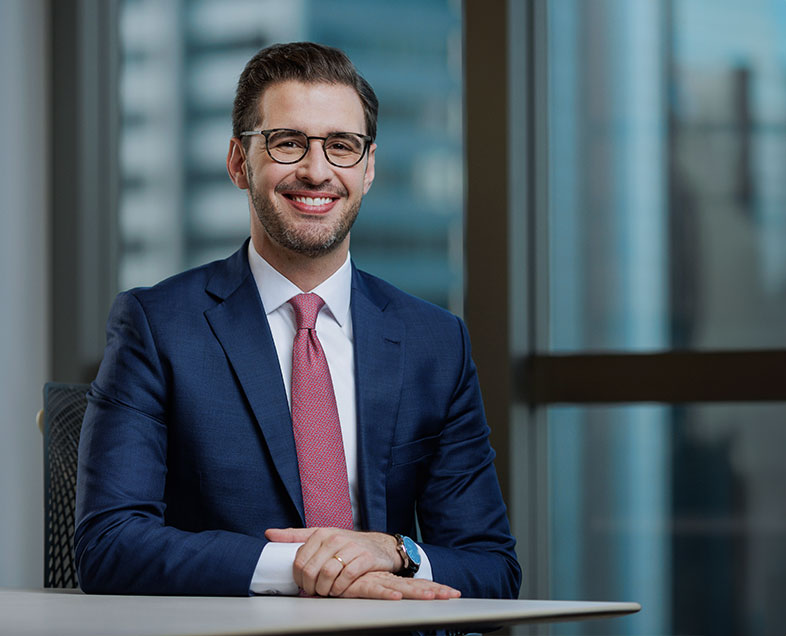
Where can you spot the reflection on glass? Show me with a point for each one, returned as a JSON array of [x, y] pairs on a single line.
[[180, 63], [680, 509], [667, 150]]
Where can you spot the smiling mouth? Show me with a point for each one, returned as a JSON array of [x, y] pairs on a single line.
[[319, 204], [310, 201]]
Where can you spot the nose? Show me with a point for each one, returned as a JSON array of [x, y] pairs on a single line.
[[314, 167]]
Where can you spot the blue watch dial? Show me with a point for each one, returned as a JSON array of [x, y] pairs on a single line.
[[412, 550]]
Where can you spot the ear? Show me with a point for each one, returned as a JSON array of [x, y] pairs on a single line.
[[236, 163], [368, 177]]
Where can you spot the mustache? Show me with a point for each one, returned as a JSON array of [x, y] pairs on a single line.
[[309, 187]]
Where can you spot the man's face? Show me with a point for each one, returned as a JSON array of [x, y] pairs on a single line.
[[307, 207]]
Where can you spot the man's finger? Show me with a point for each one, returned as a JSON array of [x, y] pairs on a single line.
[[314, 555], [384, 585], [289, 535], [371, 586], [424, 589], [326, 578], [356, 563]]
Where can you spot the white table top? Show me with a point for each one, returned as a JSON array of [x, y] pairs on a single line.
[[69, 613]]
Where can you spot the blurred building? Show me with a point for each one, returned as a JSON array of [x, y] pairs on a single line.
[[179, 67], [668, 225]]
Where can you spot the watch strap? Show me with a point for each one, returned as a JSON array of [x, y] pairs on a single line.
[[410, 567]]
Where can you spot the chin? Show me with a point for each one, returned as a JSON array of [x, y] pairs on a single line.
[[313, 248]]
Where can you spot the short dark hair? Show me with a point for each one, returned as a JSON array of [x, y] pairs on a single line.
[[304, 62]]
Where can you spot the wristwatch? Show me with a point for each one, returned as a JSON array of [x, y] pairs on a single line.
[[410, 555]]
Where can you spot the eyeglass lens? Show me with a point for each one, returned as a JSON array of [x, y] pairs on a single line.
[[341, 149]]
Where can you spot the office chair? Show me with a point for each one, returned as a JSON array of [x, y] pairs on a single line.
[[60, 422]]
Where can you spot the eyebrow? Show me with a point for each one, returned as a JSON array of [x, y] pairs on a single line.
[[331, 132]]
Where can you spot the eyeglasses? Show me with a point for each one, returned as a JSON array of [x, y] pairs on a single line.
[[284, 145]]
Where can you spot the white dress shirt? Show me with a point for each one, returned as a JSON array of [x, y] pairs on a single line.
[[273, 574]]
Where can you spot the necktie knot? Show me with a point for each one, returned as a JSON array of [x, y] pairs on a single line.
[[306, 308]]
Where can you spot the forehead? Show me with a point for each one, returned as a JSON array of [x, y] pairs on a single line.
[[316, 109]]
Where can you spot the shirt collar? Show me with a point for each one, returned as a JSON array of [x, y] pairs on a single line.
[[275, 289]]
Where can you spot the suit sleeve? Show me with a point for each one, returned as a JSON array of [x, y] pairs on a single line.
[[462, 516], [122, 544]]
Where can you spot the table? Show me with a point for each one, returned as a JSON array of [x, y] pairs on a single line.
[[71, 613]]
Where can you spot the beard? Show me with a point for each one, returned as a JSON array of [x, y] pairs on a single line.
[[314, 239]]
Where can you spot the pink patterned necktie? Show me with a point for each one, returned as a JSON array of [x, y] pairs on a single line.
[[317, 431]]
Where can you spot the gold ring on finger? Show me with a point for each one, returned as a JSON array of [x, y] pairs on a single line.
[[340, 560]]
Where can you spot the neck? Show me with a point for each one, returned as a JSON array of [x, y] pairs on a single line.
[[306, 272]]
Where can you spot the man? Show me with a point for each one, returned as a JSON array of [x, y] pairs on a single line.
[[281, 421]]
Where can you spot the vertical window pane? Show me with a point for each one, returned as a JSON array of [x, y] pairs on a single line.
[[666, 150], [678, 508], [181, 61]]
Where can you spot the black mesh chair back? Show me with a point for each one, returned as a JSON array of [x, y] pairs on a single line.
[[64, 408]]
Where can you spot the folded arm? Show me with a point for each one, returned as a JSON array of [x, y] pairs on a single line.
[[460, 511], [122, 541]]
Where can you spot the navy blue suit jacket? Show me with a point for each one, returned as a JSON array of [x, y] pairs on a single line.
[[187, 455]]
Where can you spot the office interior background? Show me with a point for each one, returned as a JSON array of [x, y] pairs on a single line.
[[597, 186]]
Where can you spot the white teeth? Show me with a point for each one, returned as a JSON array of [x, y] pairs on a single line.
[[313, 201]]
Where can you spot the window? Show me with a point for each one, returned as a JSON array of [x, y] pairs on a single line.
[[634, 361], [180, 63], [665, 304]]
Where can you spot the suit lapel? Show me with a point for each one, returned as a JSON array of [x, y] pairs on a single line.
[[240, 325], [378, 340]]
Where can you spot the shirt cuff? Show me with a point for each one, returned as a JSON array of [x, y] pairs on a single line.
[[424, 571], [273, 574]]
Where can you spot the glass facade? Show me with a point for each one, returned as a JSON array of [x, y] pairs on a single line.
[[666, 223], [678, 508], [180, 63], [666, 160]]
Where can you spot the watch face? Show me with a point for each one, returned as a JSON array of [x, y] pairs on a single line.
[[412, 550]]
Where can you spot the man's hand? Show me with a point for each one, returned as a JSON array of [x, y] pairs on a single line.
[[331, 560], [389, 587]]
